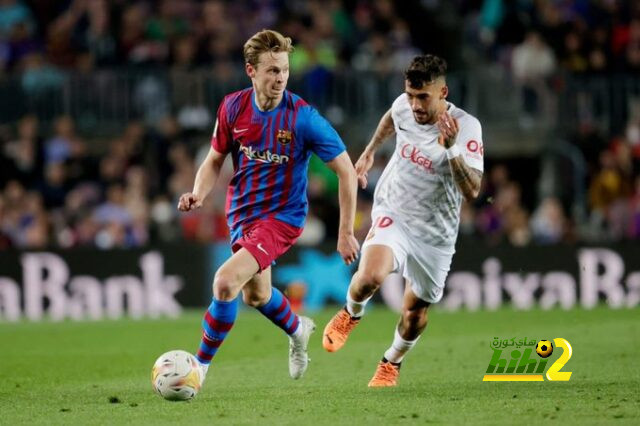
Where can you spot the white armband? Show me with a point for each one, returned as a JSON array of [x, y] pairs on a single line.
[[452, 152]]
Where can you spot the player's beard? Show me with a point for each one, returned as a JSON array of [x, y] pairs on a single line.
[[424, 117], [429, 116]]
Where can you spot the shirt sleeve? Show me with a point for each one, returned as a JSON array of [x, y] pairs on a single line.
[[321, 137], [221, 138], [395, 108], [469, 141]]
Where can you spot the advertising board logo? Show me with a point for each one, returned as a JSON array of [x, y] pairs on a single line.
[[49, 289]]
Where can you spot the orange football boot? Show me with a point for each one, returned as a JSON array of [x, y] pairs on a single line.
[[337, 330], [386, 375]]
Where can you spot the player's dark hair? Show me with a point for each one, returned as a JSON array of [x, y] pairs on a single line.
[[425, 69]]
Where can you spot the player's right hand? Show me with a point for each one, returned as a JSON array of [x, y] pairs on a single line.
[[348, 247], [189, 201], [364, 163]]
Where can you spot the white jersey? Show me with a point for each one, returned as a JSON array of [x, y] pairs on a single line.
[[417, 183]]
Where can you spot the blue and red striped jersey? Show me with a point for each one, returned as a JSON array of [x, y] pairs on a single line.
[[271, 152]]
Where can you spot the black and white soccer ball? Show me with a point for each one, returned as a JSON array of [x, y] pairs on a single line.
[[176, 376], [544, 348]]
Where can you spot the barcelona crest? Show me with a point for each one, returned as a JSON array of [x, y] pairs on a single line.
[[284, 136]]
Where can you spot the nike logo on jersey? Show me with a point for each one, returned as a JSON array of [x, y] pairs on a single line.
[[402, 128], [262, 249], [236, 130]]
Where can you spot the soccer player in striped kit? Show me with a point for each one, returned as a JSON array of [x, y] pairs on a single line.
[[270, 134]]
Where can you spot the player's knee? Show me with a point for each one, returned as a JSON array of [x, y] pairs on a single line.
[[371, 279], [255, 299], [225, 286]]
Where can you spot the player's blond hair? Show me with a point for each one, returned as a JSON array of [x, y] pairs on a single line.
[[265, 41]]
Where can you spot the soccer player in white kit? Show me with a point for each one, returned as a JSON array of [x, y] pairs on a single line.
[[416, 210]]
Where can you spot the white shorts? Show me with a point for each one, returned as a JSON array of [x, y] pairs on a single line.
[[425, 266]]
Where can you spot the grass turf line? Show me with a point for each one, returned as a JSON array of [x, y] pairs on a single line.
[[99, 372]]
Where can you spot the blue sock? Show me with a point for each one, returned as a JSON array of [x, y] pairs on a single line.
[[217, 322], [278, 310]]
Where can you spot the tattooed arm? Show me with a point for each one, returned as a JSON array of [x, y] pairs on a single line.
[[384, 130], [467, 178]]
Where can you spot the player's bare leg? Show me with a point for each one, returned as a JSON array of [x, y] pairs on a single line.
[[234, 274], [375, 266], [222, 312], [411, 325], [258, 292]]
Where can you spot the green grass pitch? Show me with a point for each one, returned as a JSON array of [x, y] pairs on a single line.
[[99, 372]]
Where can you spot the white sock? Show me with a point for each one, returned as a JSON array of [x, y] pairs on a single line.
[[300, 328], [399, 348], [298, 331], [204, 367], [356, 309]]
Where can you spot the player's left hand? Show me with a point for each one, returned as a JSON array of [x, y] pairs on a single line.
[[348, 247], [363, 165], [448, 127]]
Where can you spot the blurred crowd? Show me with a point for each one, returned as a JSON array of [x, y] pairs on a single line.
[[578, 36], [56, 191], [501, 216], [60, 187], [539, 43], [41, 36], [43, 39]]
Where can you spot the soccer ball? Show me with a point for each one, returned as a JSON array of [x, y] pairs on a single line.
[[544, 348], [175, 376]]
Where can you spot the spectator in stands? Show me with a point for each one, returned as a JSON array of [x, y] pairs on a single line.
[[58, 148], [24, 152], [34, 222], [513, 219], [607, 187], [40, 78], [55, 185], [573, 57], [167, 23], [548, 223], [5, 240], [12, 14], [21, 43], [633, 46], [532, 64], [633, 230], [315, 59]]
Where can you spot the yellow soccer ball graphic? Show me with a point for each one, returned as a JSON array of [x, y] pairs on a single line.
[[544, 348]]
